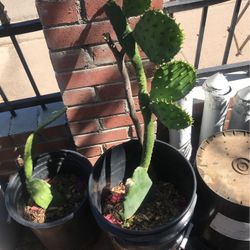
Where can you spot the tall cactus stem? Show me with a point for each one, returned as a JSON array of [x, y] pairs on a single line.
[[148, 140]]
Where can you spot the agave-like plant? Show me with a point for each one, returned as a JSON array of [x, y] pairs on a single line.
[[39, 190], [160, 37]]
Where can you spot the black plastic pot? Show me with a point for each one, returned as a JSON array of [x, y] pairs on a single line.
[[9, 229], [74, 231], [116, 165]]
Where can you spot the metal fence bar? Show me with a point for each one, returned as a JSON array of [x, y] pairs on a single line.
[[231, 31], [20, 28], [201, 35], [181, 5], [31, 102], [7, 103], [226, 68]]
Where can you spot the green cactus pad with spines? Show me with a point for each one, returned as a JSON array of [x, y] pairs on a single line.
[[158, 36], [172, 81], [171, 115], [121, 27], [135, 7]]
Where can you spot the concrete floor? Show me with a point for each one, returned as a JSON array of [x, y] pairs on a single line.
[[16, 85]]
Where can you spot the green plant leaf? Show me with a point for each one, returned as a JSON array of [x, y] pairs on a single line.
[[28, 162], [138, 188], [171, 115], [38, 189], [40, 192], [158, 35], [52, 117], [121, 27], [135, 7], [172, 81]]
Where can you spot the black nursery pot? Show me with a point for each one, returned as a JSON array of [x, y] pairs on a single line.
[[116, 165], [74, 231]]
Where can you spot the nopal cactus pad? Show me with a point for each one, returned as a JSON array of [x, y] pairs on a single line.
[[173, 81], [158, 36], [171, 115], [135, 7]]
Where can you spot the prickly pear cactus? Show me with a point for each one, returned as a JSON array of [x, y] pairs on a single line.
[[172, 81], [171, 115], [135, 7], [159, 36]]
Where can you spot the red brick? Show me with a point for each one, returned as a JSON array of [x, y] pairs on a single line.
[[91, 151], [89, 77], [77, 35], [70, 59], [96, 76], [96, 11], [113, 144], [8, 168], [99, 138], [137, 104], [84, 127], [115, 91], [157, 4], [78, 96], [53, 146], [6, 142], [119, 121], [20, 139], [82, 34], [95, 111], [132, 131], [9, 154], [103, 55], [54, 13], [52, 133]]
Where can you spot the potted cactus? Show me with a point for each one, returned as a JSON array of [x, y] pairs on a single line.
[[130, 179], [49, 195]]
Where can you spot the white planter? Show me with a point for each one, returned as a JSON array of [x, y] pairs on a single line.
[[217, 96], [240, 118]]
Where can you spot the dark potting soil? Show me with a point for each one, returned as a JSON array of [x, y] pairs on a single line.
[[69, 192], [165, 205]]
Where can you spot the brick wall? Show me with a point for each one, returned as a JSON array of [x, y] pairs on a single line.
[[88, 79]]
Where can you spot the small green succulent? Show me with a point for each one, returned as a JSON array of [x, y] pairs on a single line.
[[160, 37], [39, 190]]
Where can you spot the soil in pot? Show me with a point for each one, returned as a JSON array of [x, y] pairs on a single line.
[[68, 191], [163, 205]]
